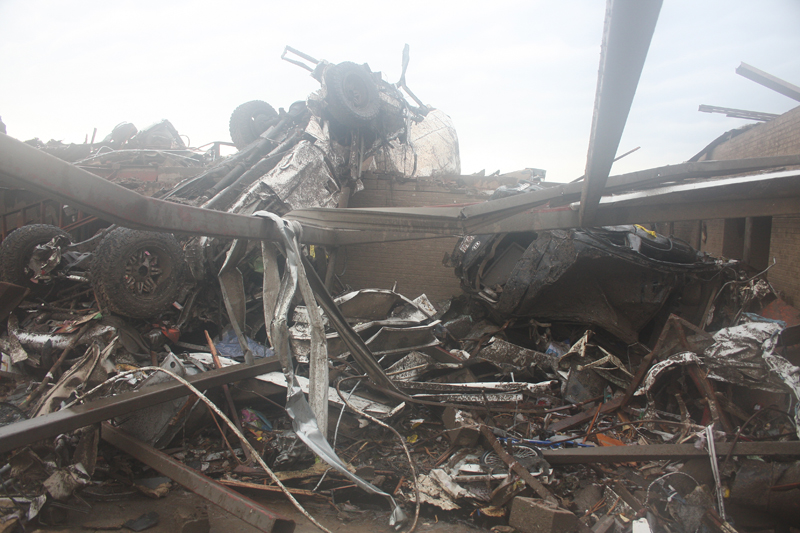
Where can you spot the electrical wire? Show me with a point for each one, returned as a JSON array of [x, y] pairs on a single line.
[[647, 499]]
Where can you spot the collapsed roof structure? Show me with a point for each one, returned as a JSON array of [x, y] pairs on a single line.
[[577, 314]]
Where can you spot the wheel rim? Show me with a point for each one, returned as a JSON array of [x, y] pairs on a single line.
[[526, 456], [145, 270]]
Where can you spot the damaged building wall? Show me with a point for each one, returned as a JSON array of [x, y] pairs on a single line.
[[712, 236], [785, 248], [772, 237], [780, 136], [381, 265]]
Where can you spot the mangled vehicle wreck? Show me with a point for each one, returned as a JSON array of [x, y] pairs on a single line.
[[617, 278], [309, 156], [545, 407]]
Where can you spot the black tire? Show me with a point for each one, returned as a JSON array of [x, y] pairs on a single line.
[[16, 250], [250, 120], [353, 98], [126, 279]]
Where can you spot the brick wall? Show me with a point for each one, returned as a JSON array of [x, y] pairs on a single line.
[[785, 248], [416, 266], [780, 136], [712, 233], [685, 230]]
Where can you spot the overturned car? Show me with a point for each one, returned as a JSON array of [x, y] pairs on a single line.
[[311, 155], [624, 279]]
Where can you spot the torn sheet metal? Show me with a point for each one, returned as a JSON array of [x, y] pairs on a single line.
[[415, 364], [512, 358], [494, 386], [376, 409], [391, 340], [366, 309], [581, 384], [789, 374], [302, 179], [358, 349], [370, 305], [386, 341], [431, 150], [11, 346], [232, 286], [683, 358], [37, 341], [471, 398], [301, 328], [410, 367], [304, 422], [93, 369], [736, 356]]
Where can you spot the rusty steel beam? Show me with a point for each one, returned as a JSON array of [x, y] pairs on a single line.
[[628, 30], [239, 506], [34, 170], [29, 431], [673, 452]]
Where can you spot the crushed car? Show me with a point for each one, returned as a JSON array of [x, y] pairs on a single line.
[[626, 280]]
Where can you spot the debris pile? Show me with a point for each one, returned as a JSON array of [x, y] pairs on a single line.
[[612, 417], [605, 379]]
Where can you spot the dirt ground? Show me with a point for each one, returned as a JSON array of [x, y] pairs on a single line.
[[109, 516]]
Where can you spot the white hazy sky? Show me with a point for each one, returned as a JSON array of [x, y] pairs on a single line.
[[517, 77]]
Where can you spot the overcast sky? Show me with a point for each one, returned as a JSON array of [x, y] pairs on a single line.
[[517, 77]]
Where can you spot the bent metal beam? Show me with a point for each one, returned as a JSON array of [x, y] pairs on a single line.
[[231, 501], [628, 30], [24, 432]]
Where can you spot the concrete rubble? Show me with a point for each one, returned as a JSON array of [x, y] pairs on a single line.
[[606, 379]]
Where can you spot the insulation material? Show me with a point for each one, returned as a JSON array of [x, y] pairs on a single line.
[[736, 357]]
